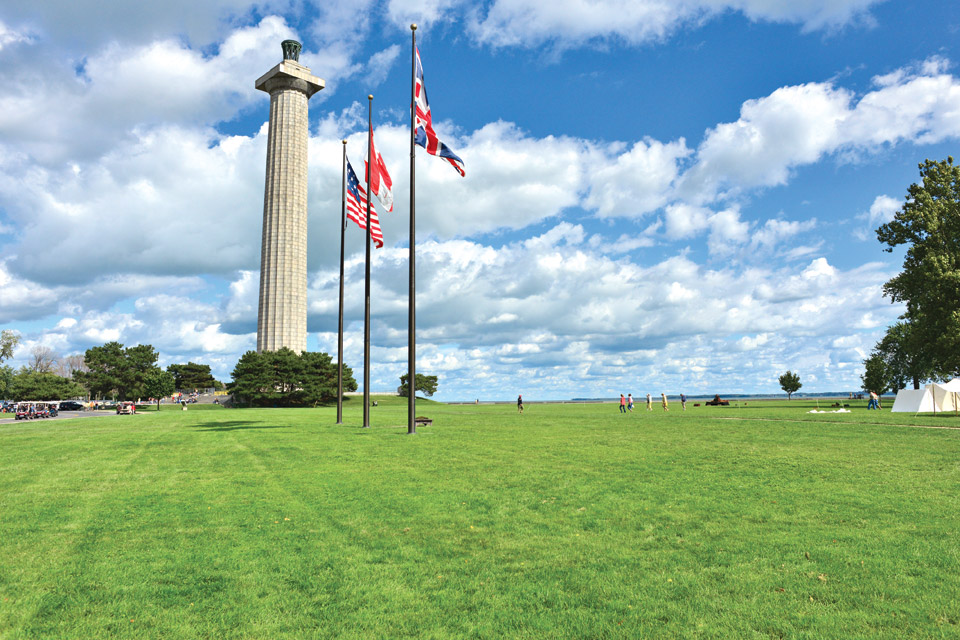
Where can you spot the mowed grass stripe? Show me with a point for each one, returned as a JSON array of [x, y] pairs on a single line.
[[568, 521]]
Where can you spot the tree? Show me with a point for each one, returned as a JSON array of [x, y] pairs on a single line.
[[192, 375], [906, 358], [34, 385], [790, 383], [67, 365], [252, 380], [105, 366], [157, 384], [876, 374], [427, 385], [928, 224], [139, 361], [287, 369], [284, 378], [8, 342], [43, 359], [114, 369], [6, 380], [320, 378]]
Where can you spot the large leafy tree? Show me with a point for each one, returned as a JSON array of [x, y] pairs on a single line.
[[427, 385], [33, 385], [8, 342], [790, 383], [157, 384], [6, 381], [928, 225], [876, 374], [192, 375], [907, 360], [284, 378]]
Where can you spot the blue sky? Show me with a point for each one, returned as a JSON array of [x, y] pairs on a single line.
[[659, 196]]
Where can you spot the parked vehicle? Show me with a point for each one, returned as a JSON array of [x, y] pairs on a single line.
[[71, 405], [126, 408], [26, 411]]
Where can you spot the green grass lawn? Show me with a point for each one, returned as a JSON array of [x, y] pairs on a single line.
[[570, 521]]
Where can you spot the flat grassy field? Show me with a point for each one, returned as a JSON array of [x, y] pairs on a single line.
[[570, 521]]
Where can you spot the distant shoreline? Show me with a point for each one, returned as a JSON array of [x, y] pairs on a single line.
[[837, 395]]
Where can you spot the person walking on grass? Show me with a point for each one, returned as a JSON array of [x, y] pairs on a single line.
[[683, 402], [630, 402], [520, 403], [649, 403], [623, 404], [663, 399]]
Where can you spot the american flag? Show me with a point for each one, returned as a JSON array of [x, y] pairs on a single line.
[[357, 207], [426, 137]]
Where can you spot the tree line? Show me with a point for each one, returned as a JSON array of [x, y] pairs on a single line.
[[110, 371], [280, 378]]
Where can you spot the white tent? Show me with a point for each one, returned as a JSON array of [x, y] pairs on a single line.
[[934, 398]]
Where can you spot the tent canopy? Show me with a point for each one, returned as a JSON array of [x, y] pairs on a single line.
[[935, 397]]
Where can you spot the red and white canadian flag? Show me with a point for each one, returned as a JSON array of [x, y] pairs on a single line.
[[380, 183]]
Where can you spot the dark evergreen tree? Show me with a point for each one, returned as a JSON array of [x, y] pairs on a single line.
[[114, 370], [192, 376], [252, 380], [139, 362], [106, 366], [283, 378]]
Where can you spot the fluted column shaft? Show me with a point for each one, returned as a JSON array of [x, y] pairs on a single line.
[[282, 315]]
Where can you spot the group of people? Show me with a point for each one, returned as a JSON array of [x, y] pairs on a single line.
[[626, 403]]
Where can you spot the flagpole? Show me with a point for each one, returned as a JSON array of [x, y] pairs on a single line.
[[366, 295], [343, 226], [412, 303]]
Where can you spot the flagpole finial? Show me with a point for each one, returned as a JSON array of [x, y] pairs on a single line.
[[370, 97], [344, 141], [413, 27]]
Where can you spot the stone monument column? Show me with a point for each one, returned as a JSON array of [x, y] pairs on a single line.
[[282, 315]]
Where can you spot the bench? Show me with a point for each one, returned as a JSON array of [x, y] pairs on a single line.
[[422, 421]]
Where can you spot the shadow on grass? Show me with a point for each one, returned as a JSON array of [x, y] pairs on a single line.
[[236, 425]]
